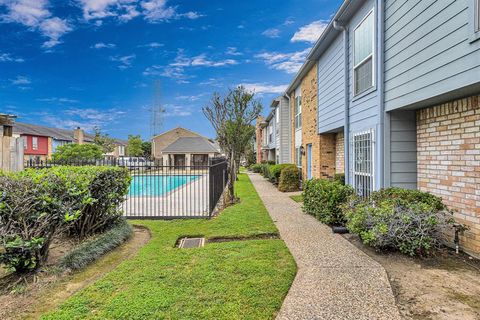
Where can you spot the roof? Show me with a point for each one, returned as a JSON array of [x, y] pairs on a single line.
[[32, 129], [348, 6], [55, 133], [192, 145], [176, 128]]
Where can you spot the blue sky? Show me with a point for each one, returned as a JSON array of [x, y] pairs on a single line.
[[89, 63]]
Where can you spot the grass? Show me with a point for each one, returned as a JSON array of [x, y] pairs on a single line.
[[297, 198], [224, 280]]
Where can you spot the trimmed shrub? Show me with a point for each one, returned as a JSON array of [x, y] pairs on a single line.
[[410, 221], [97, 190], [257, 168], [93, 249], [289, 179], [266, 171], [323, 199], [31, 213], [276, 170]]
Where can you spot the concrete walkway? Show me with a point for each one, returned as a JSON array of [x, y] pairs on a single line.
[[335, 280]]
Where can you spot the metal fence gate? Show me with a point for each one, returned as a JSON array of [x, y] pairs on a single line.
[[165, 192]]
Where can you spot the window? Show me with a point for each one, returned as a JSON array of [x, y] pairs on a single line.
[[363, 50], [277, 115], [34, 143], [270, 132], [298, 157], [298, 112], [363, 162]]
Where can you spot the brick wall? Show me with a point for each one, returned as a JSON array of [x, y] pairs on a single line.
[[448, 149], [259, 139], [309, 121], [327, 156], [339, 153]]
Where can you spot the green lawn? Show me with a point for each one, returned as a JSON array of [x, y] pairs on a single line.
[[297, 198], [227, 280]]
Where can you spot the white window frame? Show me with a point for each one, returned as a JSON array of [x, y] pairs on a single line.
[[34, 143], [365, 174], [372, 55], [298, 157], [298, 112], [476, 15]]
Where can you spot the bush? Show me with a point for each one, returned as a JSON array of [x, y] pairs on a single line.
[[266, 170], [257, 168], [409, 221], [289, 179], [91, 250], [97, 191], [323, 199], [276, 170], [340, 178], [31, 213], [78, 152]]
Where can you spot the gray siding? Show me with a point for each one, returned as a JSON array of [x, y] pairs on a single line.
[[403, 149], [364, 108], [285, 131], [331, 87], [428, 51]]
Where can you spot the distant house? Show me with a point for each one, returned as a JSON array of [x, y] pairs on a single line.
[[41, 142], [182, 147]]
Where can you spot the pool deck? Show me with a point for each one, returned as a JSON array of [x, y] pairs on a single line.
[[187, 201]]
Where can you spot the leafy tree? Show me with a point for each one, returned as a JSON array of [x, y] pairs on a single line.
[[75, 152], [147, 149], [231, 117], [104, 141], [134, 146]]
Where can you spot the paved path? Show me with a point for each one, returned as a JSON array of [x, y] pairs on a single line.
[[335, 280]]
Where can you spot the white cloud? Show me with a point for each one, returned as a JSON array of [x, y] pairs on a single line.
[[85, 118], [191, 98], [232, 51], [102, 45], [311, 32], [177, 111], [7, 57], [20, 80], [263, 88], [125, 62], [35, 15], [125, 10], [57, 100], [288, 62], [176, 69], [271, 33], [151, 45]]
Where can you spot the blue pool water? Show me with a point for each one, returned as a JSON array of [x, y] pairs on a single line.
[[157, 185]]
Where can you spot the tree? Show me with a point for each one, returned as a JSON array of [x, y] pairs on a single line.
[[134, 146], [232, 118], [104, 141], [250, 153], [147, 149], [77, 152]]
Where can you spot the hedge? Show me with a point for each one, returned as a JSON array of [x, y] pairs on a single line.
[[323, 199], [410, 221], [276, 170], [36, 204]]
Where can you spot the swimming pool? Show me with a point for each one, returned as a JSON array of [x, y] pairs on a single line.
[[157, 185]]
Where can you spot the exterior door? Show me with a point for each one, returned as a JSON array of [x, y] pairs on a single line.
[[309, 161]]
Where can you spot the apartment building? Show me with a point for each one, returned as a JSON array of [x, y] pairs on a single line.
[[394, 87]]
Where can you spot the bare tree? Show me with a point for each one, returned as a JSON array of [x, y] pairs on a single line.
[[231, 117]]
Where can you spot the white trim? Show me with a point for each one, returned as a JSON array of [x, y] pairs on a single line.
[[370, 56], [368, 175]]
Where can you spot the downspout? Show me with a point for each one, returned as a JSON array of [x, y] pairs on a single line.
[[290, 136], [346, 128], [380, 90]]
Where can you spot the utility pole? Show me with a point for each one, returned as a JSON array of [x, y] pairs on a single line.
[[157, 111]]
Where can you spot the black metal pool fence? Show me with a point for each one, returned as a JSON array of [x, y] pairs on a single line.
[[159, 191]]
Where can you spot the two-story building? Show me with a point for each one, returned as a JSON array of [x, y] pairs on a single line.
[[396, 102]]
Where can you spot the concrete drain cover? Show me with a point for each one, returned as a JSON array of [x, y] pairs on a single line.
[[191, 243]]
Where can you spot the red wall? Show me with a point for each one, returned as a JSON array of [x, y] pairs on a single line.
[[42, 146]]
